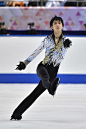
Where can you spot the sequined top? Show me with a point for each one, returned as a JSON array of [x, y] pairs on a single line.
[[54, 53]]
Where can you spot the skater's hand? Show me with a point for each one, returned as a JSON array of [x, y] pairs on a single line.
[[21, 66], [67, 43]]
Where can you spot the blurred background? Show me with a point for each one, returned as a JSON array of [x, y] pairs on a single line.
[[33, 16], [48, 3]]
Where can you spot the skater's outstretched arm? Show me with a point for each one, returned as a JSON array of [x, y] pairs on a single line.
[[22, 65]]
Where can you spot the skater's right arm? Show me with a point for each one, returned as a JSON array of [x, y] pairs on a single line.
[[22, 65]]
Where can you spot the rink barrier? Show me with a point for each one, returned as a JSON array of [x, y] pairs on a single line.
[[72, 22], [33, 78]]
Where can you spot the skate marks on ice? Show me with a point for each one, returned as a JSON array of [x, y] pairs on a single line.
[[67, 109]]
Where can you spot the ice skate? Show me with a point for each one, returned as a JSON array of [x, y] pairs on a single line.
[[16, 116]]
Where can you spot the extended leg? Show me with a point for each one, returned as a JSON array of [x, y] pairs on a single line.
[[27, 102]]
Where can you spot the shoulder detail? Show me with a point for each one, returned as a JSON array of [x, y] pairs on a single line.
[[49, 37], [64, 38]]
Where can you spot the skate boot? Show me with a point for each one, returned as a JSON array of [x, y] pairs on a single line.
[[16, 116], [52, 89]]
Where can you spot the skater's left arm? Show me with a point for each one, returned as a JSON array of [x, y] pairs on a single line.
[[66, 44]]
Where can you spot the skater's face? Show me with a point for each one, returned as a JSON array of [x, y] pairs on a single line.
[[57, 26]]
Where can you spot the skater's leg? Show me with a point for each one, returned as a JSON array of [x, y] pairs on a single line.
[[48, 75], [28, 101], [44, 76], [54, 81]]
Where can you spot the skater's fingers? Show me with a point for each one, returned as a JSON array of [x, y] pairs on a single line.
[[17, 68]]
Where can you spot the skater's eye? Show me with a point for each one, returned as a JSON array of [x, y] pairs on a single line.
[[55, 22], [59, 22]]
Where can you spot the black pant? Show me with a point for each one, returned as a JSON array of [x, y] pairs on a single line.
[[47, 74], [44, 72]]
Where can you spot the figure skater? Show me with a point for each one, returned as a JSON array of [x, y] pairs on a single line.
[[55, 46]]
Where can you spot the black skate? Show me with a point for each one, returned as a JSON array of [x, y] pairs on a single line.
[[16, 116], [52, 89]]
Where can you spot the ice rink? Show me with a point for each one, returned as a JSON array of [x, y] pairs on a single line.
[[66, 110]]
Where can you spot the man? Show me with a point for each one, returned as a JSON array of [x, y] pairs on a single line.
[[16, 3], [53, 3], [56, 46]]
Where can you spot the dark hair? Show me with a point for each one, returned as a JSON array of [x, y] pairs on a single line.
[[56, 18]]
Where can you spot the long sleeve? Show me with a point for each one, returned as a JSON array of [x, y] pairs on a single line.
[[36, 52]]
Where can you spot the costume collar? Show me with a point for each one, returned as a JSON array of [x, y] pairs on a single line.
[[53, 36]]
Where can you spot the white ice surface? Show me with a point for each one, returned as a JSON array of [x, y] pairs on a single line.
[[66, 110]]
